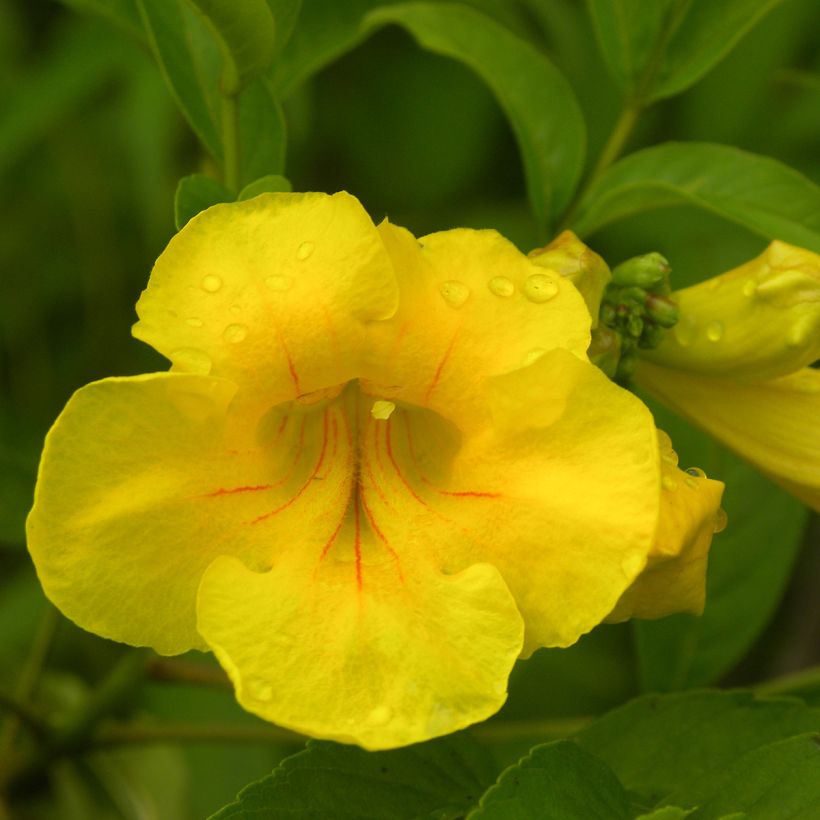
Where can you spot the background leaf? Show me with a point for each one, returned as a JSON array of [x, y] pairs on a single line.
[[167, 34], [328, 780], [285, 15], [194, 194], [778, 780], [759, 193], [246, 32], [666, 747], [272, 183], [749, 566], [536, 98], [556, 781], [659, 49], [262, 135]]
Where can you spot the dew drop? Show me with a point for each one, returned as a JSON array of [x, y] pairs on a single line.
[[685, 331], [278, 283], [696, 471], [210, 283], [454, 293], [669, 483], [259, 689], [749, 288], [235, 333], [501, 286], [193, 322], [670, 457], [379, 716], [540, 288], [691, 482], [801, 332], [235, 309], [192, 360], [304, 251], [714, 331], [721, 520], [382, 410]]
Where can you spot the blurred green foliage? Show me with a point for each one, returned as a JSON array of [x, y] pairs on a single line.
[[91, 149]]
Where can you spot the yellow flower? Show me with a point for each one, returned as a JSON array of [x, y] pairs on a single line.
[[737, 362], [378, 472]]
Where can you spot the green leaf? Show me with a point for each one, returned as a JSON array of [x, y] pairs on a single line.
[[194, 194], [666, 813], [285, 16], [537, 100], [273, 183], [167, 35], [778, 780], [122, 13], [761, 194], [328, 780], [326, 30], [749, 566], [556, 781], [262, 137], [658, 49], [665, 747], [246, 34]]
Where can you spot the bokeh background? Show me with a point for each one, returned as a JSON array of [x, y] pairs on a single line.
[[91, 149]]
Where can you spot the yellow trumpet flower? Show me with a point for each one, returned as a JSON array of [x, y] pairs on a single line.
[[737, 364], [378, 471]]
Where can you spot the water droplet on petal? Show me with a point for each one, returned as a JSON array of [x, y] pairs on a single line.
[[193, 322], [379, 716], [210, 283], [382, 410], [540, 288], [802, 331], [721, 520], [236, 310], [235, 333], [691, 483], [670, 457], [749, 288], [501, 286], [192, 360], [259, 689], [454, 293], [714, 331], [685, 331], [304, 251], [669, 483], [278, 283], [696, 471]]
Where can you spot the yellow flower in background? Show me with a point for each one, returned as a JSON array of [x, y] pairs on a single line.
[[378, 472], [737, 364]]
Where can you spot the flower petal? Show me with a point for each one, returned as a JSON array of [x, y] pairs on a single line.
[[145, 480], [562, 497], [674, 579], [773, 425], [273, 293], [392, 662], [758, 321], [472, 306]]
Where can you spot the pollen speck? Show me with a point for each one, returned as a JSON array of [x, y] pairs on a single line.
[[382, 410]]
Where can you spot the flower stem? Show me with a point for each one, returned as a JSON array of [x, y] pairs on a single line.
[[27, 683], [76, 734], [230, 141], [172, 670]]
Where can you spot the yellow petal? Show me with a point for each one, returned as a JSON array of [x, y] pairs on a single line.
[[472, 306], [273, 293], [145, 480], [674, 579], [758, 321], [570, 257], [393, 661], [562, 497], [773, 425]]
